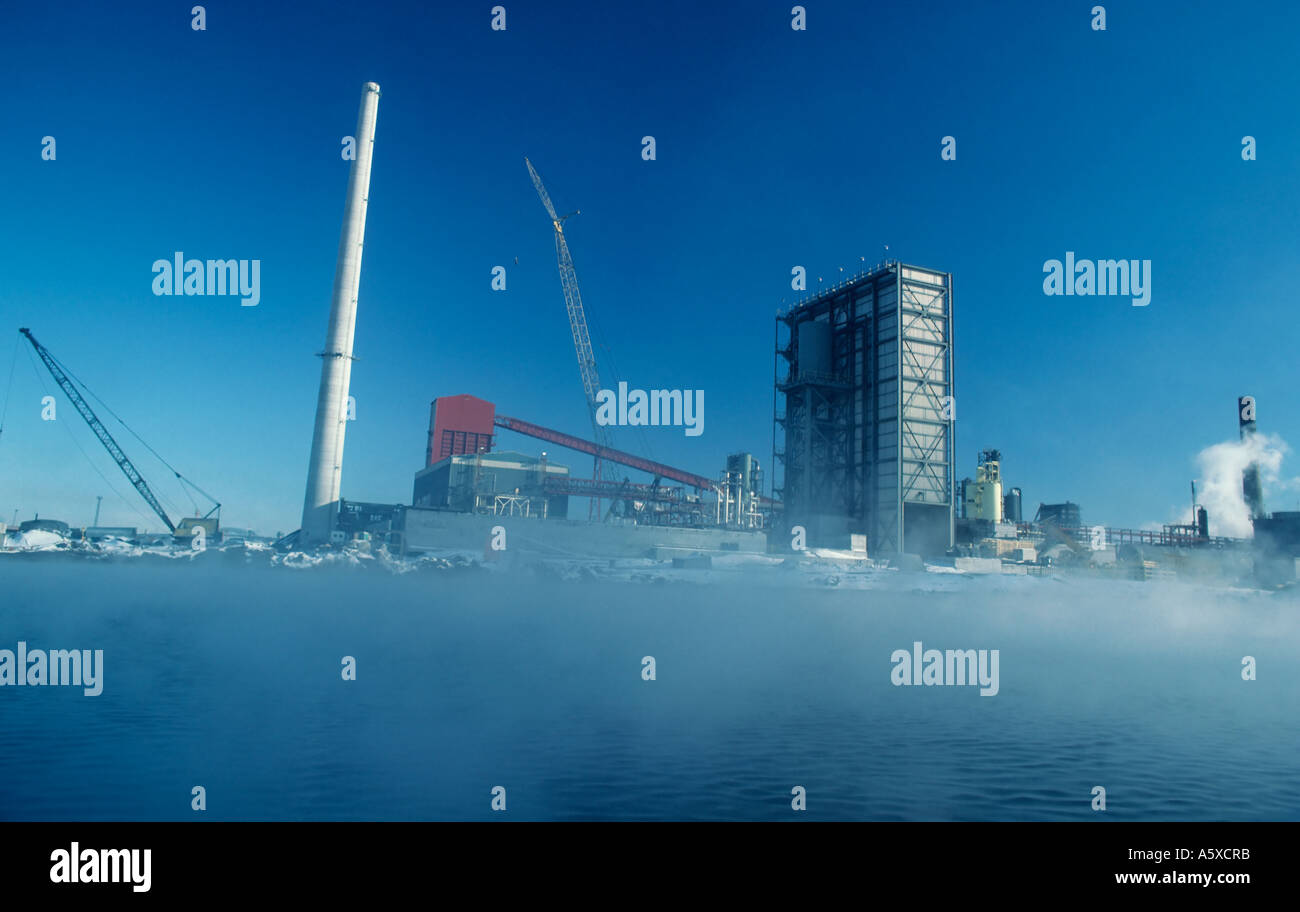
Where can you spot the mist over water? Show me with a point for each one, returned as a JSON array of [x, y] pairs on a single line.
[[229, 678]]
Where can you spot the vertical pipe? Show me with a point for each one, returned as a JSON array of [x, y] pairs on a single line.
[[325, 468]]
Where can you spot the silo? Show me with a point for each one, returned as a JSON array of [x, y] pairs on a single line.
[[814, 348], [1011, 506]]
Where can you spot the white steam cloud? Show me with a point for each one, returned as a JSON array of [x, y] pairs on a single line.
[[1219, 487]]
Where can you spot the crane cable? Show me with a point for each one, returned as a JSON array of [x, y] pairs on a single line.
[[187, 484], [130, 503]]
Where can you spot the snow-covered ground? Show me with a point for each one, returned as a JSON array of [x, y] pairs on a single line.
[[34, 540], [813, 569]]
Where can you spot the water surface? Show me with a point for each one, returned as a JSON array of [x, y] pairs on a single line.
[[229, 678]]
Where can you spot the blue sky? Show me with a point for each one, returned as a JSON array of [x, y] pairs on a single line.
[[775, 148]]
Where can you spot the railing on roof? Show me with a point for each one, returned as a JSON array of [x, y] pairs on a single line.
[[823, 291]]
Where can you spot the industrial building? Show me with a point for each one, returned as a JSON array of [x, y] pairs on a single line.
[[987, 510], [459, 424], [1277, 548], [410, 530], [461, 472], [474, 488], [863, 423], [464, 473], [503, 483], [740, 493], [1065, 515]]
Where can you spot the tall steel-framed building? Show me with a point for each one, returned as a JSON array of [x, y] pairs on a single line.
[[864, 417]]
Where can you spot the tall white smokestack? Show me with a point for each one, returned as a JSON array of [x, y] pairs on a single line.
[[326, 467]]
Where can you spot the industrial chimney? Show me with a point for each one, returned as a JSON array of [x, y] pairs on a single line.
[[1251, 490], [326, 466]]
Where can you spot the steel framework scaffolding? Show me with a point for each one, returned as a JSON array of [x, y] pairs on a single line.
[[863, 417]]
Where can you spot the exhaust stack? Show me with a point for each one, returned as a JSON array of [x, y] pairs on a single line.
[[1251, 489], [326, 467]]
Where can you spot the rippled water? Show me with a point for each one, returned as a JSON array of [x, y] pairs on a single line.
[[229, 678]]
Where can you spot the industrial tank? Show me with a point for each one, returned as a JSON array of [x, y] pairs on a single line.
[[1011, 506], [814, 348], [983, 497]]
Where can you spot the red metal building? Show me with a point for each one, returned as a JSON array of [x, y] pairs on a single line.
[[459, 425]]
